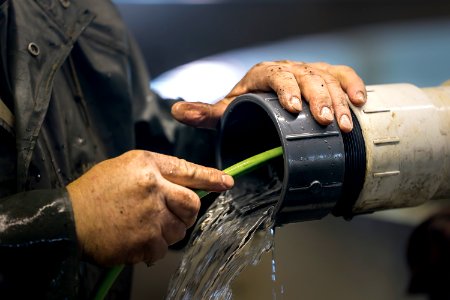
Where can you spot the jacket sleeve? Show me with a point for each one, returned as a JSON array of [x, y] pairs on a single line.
[[155, 128], [37, 262], [38, 247]]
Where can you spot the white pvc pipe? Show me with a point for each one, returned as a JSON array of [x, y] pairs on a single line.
[[407, 136]]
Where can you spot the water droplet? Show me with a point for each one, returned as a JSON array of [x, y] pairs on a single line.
[[277, 288], [80, 140]]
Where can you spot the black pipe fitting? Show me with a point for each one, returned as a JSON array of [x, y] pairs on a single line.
[[316, 161]]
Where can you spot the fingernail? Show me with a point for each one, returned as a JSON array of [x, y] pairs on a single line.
[[326, 114], [361, 97], [176, 109], [228, 181], [345, 122], [296, 104]]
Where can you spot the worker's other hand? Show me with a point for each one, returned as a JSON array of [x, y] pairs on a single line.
[[327, 88], [429, 256], [131, 208]]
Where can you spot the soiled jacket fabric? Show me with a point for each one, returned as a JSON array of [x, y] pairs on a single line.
[[76, 84]]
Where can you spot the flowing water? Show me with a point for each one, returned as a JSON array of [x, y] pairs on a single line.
[[277, 287], [234, 233]]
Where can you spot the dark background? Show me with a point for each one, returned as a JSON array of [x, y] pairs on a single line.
[[410, 42], [172, 33]]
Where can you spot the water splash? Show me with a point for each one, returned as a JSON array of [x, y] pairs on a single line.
[[277, 287], [233, 234]]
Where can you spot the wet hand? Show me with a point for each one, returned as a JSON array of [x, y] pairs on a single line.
[[131, 208], [327, 88]]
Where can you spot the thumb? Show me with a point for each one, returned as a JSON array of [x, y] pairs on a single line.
[[198, 114]]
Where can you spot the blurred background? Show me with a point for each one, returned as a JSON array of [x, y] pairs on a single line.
[[198, 49]]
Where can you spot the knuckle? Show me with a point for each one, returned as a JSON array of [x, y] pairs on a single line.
[[210, 175], [342, 102], [135, 153], [322, 65], [216, 176], [286, 76], [281, 79], [261, 64], [312, 77], [182, 166], [307, 71], [140, 158], [275, 69], [331, 80], [284, 61], [340, 106], [188, 169], [321, 98], [345, 69], [148, 179]]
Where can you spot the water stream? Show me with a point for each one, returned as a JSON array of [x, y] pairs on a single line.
[[234, 233], [277, 286]]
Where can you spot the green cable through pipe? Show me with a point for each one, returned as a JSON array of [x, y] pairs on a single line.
[[234, 170]]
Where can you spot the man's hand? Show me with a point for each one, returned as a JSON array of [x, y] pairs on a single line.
[[131, 208], [327, 88]]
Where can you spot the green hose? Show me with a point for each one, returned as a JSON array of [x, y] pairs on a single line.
[[235, 170], [248, 164]]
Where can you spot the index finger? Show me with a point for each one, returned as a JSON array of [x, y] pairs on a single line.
[[191, 175]]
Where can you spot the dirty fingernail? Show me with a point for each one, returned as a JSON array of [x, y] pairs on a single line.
[[326, 114], [345, 122], [176, 109], [361, 97], [228, 181], [296, 104]]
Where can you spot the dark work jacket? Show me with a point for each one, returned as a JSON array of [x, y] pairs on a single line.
[[77, 86]]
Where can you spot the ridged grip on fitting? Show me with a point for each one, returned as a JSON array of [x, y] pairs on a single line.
[[314, 159], [407, 134]]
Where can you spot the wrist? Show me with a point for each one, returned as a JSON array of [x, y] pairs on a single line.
[[79, 213]]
